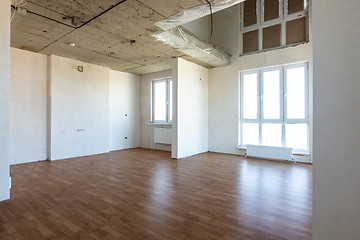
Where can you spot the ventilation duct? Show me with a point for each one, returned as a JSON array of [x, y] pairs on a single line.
[[194, 13], [186, 42]]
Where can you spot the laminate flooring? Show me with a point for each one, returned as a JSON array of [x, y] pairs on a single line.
[[144, 194]]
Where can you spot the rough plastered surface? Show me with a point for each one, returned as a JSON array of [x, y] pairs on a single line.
[[106, 40]]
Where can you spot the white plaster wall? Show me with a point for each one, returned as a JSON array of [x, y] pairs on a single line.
[[79, 100], [28, 120], [336, 37], [124, 110], [4, 98], [147, 129], [191, 109]]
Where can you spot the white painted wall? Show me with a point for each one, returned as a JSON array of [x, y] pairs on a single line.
[[79, 100], [147, 129], [28, 120], [95, 100], [191, 133], [124, 110], [4, 98], [336, 120]]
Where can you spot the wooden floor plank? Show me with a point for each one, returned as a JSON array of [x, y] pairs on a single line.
[[144, 194]]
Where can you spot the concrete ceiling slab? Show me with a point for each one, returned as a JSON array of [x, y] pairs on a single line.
[[169, 8], [33, 33], [83, 9], [134, 21], [105, 40], [61, 49], [89, 38], [35, 8]]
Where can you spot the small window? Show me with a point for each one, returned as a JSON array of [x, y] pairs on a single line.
[[272, 37], [271, 9], [251, 41], [273, 24], [162, 101], [295, 6], [250, 13], [296, 31]]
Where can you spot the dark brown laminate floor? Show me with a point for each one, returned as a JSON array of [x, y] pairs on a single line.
[[143, 194]]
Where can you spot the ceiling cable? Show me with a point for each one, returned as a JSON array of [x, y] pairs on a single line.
[[211, 17], [73, 18]]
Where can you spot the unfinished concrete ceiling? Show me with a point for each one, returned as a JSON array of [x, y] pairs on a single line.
[[104, 34]]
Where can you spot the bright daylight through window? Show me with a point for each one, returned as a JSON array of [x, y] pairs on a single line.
[[274, 107], [162, 101]]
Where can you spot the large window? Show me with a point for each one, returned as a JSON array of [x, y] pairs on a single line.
[[272, 24], [162, 101], [274, 109]]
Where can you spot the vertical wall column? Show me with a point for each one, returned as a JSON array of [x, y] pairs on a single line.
[[190, 122], [336, 35], [4, 98]]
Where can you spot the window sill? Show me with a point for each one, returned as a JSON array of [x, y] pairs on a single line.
[[297, 153], [160, 124]]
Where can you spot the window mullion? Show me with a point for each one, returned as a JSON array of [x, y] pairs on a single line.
[[153, 101], [260, 107], [260, 10], [283, 107], [167, 100]]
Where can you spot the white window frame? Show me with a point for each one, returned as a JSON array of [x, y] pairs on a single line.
[[168, 117], [282, 19], [283, 103]]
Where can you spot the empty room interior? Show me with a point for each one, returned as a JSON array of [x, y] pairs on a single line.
[[178, 120]]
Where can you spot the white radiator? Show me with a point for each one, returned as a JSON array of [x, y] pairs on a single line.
[[279, 153], [162, 135]]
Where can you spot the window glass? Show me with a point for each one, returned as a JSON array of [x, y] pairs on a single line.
[[295, 92], [250, 92], [272, 134], [250, 133], [160, 89], [170, 100], [297, 136], [271, 94]]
